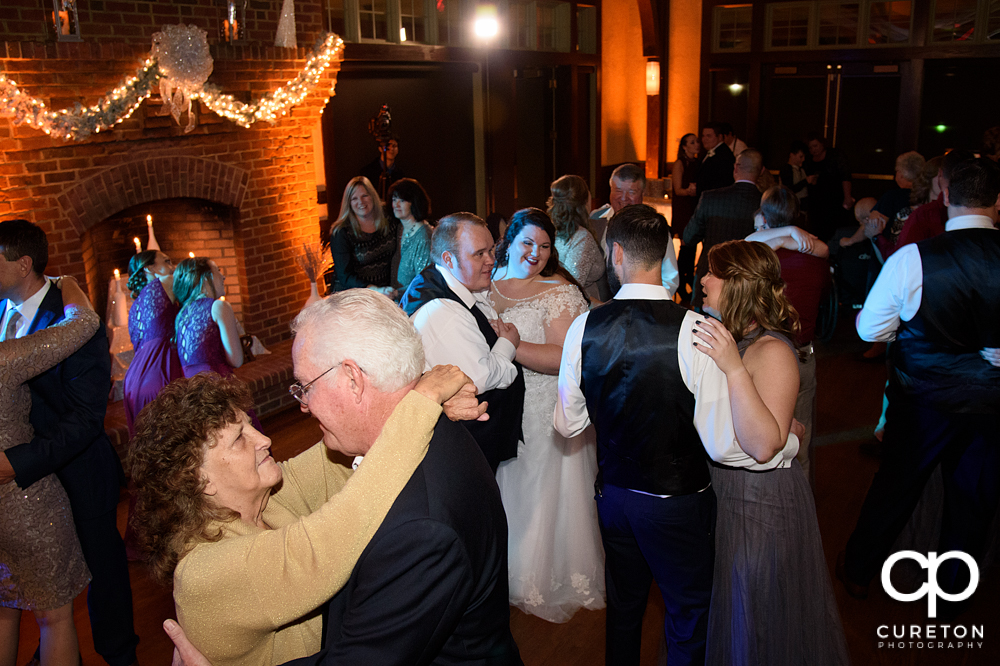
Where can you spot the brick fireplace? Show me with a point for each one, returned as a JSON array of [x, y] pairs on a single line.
[[245, 197]]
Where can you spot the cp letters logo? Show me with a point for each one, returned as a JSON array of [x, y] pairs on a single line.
[[930, 589]]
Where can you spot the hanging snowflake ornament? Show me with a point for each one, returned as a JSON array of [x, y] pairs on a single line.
[[181, 51]]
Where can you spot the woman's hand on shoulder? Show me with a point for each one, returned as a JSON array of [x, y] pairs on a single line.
[[717, 343], [441, 382], [448, 386], [72, 293]]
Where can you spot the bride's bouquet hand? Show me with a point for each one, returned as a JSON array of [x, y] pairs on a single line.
[[716, 342]]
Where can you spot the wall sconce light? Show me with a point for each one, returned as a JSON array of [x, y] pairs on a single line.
[[735, 88], [65, 21], [234, 22], [653, 77]]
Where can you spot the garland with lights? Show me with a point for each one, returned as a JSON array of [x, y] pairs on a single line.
[[120, 103]]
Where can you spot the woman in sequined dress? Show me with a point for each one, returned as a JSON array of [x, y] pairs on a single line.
[[555, 555], [208, 337], [579, 253], [41, 564], [151, 328], [363, 242]]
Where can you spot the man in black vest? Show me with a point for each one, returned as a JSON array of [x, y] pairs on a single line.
[[458, 326], [939, 299], [627, 367]]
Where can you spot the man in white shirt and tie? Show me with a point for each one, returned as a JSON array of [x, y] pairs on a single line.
[[447, 304]]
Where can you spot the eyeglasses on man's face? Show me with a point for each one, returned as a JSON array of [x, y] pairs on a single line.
[[300, 391]]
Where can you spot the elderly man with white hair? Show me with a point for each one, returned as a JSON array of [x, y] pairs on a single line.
[[431, 586]]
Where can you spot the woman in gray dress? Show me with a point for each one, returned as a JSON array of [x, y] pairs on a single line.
[[772, 601], [41, 564]]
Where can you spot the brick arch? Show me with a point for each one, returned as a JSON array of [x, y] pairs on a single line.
[[153, 178]]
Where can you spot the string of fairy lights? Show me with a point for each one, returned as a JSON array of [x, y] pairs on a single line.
[[79, 122]]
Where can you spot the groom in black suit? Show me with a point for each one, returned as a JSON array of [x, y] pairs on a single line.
[[68, 405]]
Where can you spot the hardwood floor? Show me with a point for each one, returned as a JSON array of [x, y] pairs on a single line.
[[849, 401]]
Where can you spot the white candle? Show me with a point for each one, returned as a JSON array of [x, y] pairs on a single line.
[[138, 245], [191, 255], [149, 220], [118, 276]]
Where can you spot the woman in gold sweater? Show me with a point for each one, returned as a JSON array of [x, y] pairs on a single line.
[[254, 547]]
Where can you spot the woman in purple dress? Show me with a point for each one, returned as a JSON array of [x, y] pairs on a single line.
[[208, 337], [151, 327]]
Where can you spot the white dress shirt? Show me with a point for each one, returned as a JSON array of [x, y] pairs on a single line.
[[451, 335], [896, 294], [713, 417], [28, 310]]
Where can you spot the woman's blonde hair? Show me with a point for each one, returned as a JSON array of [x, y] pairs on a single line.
[[347, 215], [567, 207], [752, 289]]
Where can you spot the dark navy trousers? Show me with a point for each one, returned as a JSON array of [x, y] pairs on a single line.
[[670, 540]]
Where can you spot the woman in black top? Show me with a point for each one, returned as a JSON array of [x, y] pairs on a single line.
[[685, 199], [363, 242]]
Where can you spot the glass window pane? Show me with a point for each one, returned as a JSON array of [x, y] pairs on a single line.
[[954, 20], [373, 19], [838, 23], [546, 17], [586, 23], [449, 18], [335, 14], [734, 23], [411, 14], [993, 24], [789, 25], [520, 31], [889, 23]]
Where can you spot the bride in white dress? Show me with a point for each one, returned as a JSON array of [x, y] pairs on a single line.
[[555, 556]]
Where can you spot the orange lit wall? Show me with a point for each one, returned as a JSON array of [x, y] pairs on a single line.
[[623, 84], [684, 45]]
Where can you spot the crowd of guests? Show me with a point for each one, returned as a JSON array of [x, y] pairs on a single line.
[[554, 418]]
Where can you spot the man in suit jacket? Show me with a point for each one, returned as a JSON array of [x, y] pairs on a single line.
[[725, 214], [717, 165], [68, 405], [431, 587], [448, 306]]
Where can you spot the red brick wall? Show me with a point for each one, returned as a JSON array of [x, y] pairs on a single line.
[[135, 22], [266, 172]]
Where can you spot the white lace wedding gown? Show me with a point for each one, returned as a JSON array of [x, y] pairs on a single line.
[[555, 555]]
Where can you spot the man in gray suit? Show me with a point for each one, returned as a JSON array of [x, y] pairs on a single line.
[[725, 214]]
